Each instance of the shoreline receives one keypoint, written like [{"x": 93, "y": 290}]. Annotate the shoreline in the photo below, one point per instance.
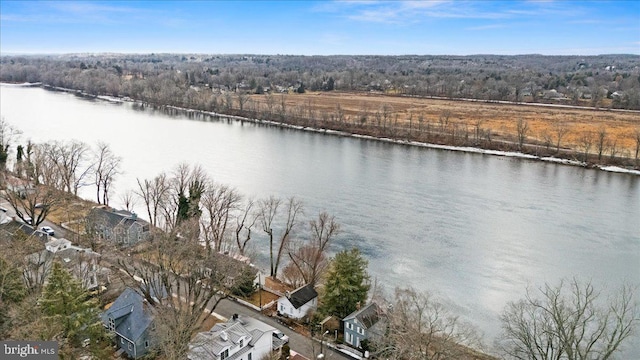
[{"x": 465, "y": 149}]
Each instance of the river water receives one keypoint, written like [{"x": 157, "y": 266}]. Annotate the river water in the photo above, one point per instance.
[{"x": 473, "y": 229}]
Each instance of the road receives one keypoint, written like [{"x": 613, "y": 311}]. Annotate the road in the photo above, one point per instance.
[
  {"x": 59, "y": 231},
  {"x": 297, "y": 342}
]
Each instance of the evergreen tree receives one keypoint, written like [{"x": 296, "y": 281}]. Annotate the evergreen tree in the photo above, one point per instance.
[
  {"x": 347, "y": 283},
  {"x": 66, "y": 302}
]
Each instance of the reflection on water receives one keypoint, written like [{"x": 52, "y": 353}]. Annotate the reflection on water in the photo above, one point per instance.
[{"x": 474, "y": 229}]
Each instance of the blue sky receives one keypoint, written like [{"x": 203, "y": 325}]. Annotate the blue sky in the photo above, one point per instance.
[{"x": 322, "y": 27}]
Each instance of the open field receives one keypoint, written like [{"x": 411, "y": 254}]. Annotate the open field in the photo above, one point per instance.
[{"x": 501, "y": 119}]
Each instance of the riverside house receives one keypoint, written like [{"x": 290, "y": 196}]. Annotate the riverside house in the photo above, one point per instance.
[{"x": 299, "y": 303}]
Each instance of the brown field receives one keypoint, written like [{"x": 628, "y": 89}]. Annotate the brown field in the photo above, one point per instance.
[{"x": 620, "y": 127}]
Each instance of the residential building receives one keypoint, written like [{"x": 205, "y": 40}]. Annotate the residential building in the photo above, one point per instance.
[
  {"x": 362, "y": 324},
  {"x": 299, "y": 303},
  {"x": 131, "y": 320},
  {"x": 82, "y": 263},
  {"x": 120, "y": 226},
  {"x": 241, "y": 338}
]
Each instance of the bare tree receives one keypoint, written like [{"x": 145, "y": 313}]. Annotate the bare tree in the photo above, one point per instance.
[
  {"x": 69, "y": 159},
  {"x": 294, "y": 208},
  {"x": 7, "y": 134},
  {"x": 245, "y": 221},
  {"x": 310, "y": 258},
  {"x": 443, "y": 119},
  {"x": 155, "y": 194},
  {"x": 585, "y": 142},
  {"x": 421, "y": 327},
  {"x": 268, "y": 209},
  {"x": 568, "y": 321},
  {"x": 106, "y": 166},
  {"x": 637, "y": 140},
  {"x": 44, "y": 170},
  {"x": 242, "y": 100},
  {"x": 32, "y": 204},
  {"x": 560, "y": 129},
  {"x": 128, "y": 199},
  {"x": 522, "y": 128},
  {"x": 218, "y": 202},
  {"x": 601, "y": 142}
]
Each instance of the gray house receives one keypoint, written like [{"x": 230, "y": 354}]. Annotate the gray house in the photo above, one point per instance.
[
  {"x": 120, "y": 226},
  {"x": 362, "y": 324},
  {"x": 131, "y": 320}
]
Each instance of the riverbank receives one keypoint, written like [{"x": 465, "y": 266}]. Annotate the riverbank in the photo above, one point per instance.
[{"x": 442, "y": 140}]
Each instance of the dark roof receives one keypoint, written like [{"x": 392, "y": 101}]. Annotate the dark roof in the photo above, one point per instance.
[
  {"x": 367, "y": 316},
  {"x": 112, "y": 218},
  {"x": 13, "y": 227},
  {"x": 135, "y": 313},
  {"x": 302, "y": 296}
]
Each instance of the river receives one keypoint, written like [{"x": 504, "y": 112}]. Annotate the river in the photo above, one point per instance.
[{"x": 473, "y": 229}]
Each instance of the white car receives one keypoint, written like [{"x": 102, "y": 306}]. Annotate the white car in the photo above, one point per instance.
[
  {"x": 279, "y": 335},
  {"x": 47, "y": 230}
]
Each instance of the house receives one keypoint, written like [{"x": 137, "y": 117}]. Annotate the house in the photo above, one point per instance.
[
  {"x": 18, "y": 186},
  {"x": 120, "y": 226},
  {"x": 82, "y": 263},
  {"x": 130, "y": 319},
  {"x": 241, "y": 338},
  {"x": 362, "y": 324},
  {"x": 17, "y": 228},
  {"x": 237, "y": 276},
  {"x": 299, "y": 303}
]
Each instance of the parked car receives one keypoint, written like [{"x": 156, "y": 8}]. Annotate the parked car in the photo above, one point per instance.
[
  {"x": 3, "y": 209},
  {"x": 47, "y": 230},
  {"x": 279, "y": 335}
]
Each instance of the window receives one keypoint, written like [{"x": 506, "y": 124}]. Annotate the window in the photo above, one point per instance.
[
  {"x": 121, "y": 340},
  {"x": 249, "y": 356},
  {"x": 146, "y": 343},
  {"x": 349, "y": 338},
  {"x": 112, "y": 324},
  {"x": 241, "y": 343},
  {"x": 350, "y": 326},
  {"x": 360, "y": 330},
  {"x": 130, "y": 347},
  {"x": 224, "y": 354}
]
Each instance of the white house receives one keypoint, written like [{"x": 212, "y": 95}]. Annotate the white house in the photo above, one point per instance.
[
  {"x": 298, "y": 303},
  {"x": 241, "y": 338}
]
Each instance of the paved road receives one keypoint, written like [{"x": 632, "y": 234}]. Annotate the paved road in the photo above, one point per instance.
[
  {"x": 297, "y": 342},
  {"x": 59, "y": 231}
]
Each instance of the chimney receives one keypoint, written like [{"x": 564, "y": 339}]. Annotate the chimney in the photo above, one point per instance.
[
  {"x": 287, "y": 294},
  {"x": 134, "y": 216},
  {"x": 224, "y": 336}
]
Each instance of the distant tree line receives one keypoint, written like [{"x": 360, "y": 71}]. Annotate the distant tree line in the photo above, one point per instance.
[{"x": 174, "y": 79}]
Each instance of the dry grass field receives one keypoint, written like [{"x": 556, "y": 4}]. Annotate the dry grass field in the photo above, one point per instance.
[{"x": 620, "y": 127}]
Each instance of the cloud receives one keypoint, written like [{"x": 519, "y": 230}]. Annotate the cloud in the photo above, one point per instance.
[
  {"x": 77, "y": 12},
  {"x": 399, "y": 12},
  {"x": 487, "y": 27}
]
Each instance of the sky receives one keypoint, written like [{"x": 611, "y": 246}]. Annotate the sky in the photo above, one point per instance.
[{"x": 331, "y": 27}]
